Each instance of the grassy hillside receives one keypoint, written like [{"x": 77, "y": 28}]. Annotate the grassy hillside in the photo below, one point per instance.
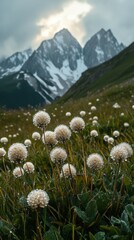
[
  {"x": 117, "y": 70},
  {"x": 93, "y": 201}
]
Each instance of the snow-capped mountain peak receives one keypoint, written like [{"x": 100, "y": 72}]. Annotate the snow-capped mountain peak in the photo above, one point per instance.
[
  {"x": 59, "y": 62},
  {"x": 14, "y": 63},
  {"x": 101, "y": 47}
]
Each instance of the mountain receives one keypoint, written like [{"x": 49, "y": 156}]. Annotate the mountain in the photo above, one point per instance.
[
  {"x": 118, "y": 70},
  {"x": 58, "y": 63},
  {"x": 14, "y": 63},
  {"x": 14, "y": 93},
  {"x": 101, "y": 47}
]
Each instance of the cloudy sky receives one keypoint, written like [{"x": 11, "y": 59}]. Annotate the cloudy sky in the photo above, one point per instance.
[{"x": 25, "y": 23}]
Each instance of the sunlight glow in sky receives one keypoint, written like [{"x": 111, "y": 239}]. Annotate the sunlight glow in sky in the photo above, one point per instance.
[{"x": 69, "y": 18}]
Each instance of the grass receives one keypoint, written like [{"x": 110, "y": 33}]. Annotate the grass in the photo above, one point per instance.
[{"x": 92, "y": 205}]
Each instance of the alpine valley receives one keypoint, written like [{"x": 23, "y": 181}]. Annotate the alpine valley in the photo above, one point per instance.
[{"x": 47, "y": 73}]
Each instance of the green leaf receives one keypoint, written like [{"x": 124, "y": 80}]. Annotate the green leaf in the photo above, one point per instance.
[
  {"x": 84, "y": 198},
  {"x": 91, "y": 211},
  {"x": 130, "y": 211},
  {"x": 103, "y": 200},
  {"x": 66, "y": 231},
  {"x": 111, "y": 229},
  {"x": 100, "y": 236},
  {"x": 132, "y": 228},
  {"x": 115, "y": 220},
  {"x": 81, "y": 214},
  {"x": 52, "y": 234},
  {"x": 124, "y": 227},
  {"x": 124, "y": 217},
  {"x": 91, "y": 236}
]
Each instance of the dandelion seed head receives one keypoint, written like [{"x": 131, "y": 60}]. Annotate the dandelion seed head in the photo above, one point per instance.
[
  {"x": 77, "y": 124},
  {"x": 41, "y": 119},
  {"x": 94, "y": 133},
  {"x": 111, "y": 140},
  {"x": 118, "y": 153},
  {"x": 58, "y": 154},
  {"x": 68, "y": 170},
  {"x": 49, "y": 138},
  {"x": 36, "y": 136},
  {"x": 116, "y": 106},
  {"x": 93, "y": 108},
  {"x": 106, "y": 137},
  {"x": 126, "y": 124},
  {"x": 27, "y": 142},
  {"x": 116, "y": 133},
  {"x": 38, "y": 198},
  {"x": 95, "y": 162},
  {"x": 68, "y": 114},
  {"x": 95, "y": 123},
  {"x": 17, "y": 152},
  {"x": 128, "y": 148},
  {"x": 4, "y": 140},
  {"x": 82, "y": 113},
  {"x": 62, "y": 133},
  {"x": 28, "y": 167},
  {"x": 18, "y": 172},
  {"x": 2, "y": 152}
]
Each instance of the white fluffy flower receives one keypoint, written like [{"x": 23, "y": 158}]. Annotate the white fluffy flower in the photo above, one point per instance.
[
  {"x": 17, "y": 152},
  {"x": 77, "y": 124},
  {"x": 95, "y": 123},
  {"x": 116, "y": 134},
  {"x": 62, "y": 132},
  {"x": 4, "y": 140},
  {"x": 18, "y": 172},
  {"x": 95, "y": 161},
  {"x": 95, "y": 118},
  {"x": 94, "y": 133},
  {"x": 36, "y": 136},
  {"x": 41, "y": 119},
  {"x": 118, "y": 153},
  {"x": 58, "y": 154},
  {"x": 49, "y": 138},
  {"x": 27, "y": 142},
  {"x": 126, "y": 124},
  {"x": 2, "y": 152},
  {"x": 93, "y": 108},
  {"x": 37, "y": 198},
  {"x": 82, "y": 113},
  {"x": 110, "y": 140},
  {"x": 122, "y": 114},
  {"x": 68, "y": 170},
  {"x": 132, "y": 106},
  {"x": 28, "y": 167},
  {"x": 128, "y": 148},
  {"x": 106, "y": 137},
  {"x": 116, "y": 106},
  {"x": 68, "y": 114}
]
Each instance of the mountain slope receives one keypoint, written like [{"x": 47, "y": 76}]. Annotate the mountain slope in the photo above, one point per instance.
[
  {"x": 117, "y": 70},
  {"x": 101, "y": 47},
  {"x": 58, "y": 61},
  {"x": 14, "y": 63},
  {"x": 57, "y": 64},
  {"x": 14, "y": 93}
]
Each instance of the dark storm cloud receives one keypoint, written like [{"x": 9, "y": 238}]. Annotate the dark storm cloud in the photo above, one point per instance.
[
  {"x": 18, "y": 20},
  {"x": 114, "y": 14}
]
